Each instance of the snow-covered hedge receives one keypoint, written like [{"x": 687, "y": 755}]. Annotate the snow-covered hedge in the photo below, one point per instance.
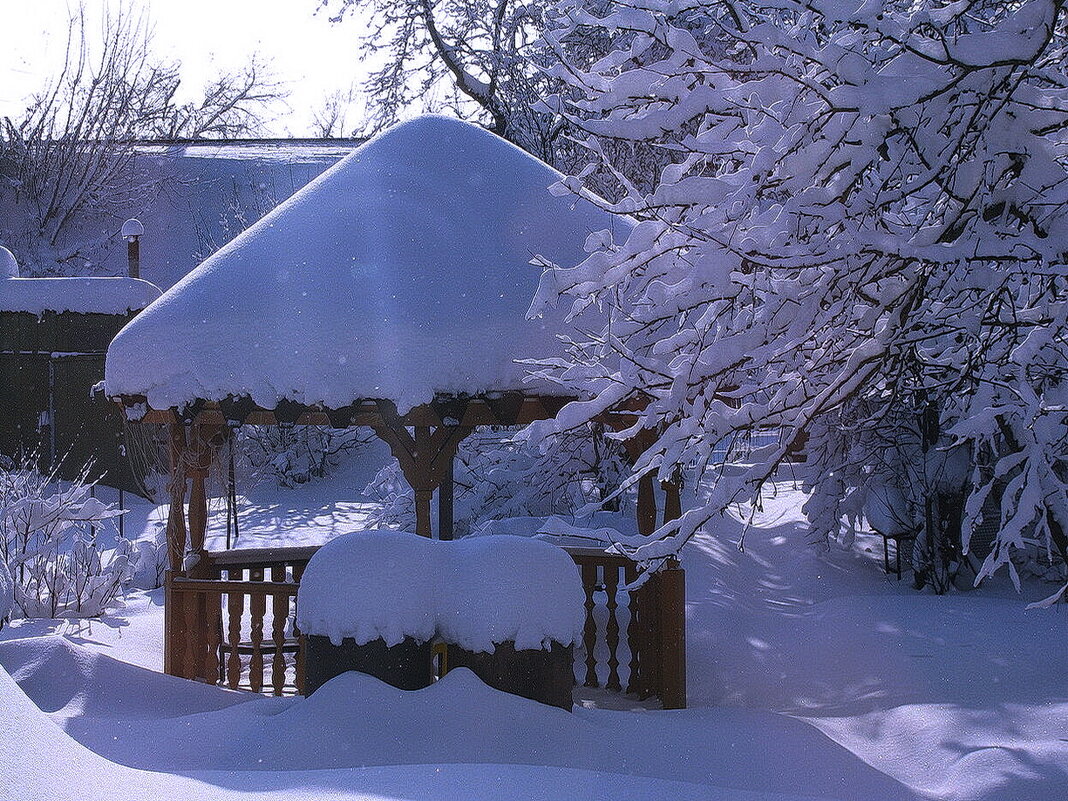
[{"x": 474, "y": 593}]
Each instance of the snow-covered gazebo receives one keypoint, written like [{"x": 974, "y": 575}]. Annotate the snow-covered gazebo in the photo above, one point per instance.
[
  {"x": 385, "y": 293},
  {"x": 392, "y": 292}
]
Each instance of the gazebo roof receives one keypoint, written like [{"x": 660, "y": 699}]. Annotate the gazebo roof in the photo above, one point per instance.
[{"x": 401, "y": 274}]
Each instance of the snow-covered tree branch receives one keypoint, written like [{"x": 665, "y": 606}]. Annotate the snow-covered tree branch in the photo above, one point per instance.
[{"x": 859, "y": 239}]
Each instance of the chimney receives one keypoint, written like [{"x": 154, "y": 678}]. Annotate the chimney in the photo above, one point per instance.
[{"x": 132, "y": 231}]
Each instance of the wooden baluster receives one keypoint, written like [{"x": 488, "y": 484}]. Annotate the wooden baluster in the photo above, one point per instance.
[
  {"x": 298, "y": 573},
  {"x": 257, "y": 608},
  {"x": 213, "y": 636},
  {"x": 611, "y": 583},
  {"x": 589, "y": 629},
  {"x": 235, "y": 603},
  {"x": 279, "y": 613},
  {"x": 634, "y": 628},
  {"x": 192, "y": 662},
  {"x": 651, "y": 637}
]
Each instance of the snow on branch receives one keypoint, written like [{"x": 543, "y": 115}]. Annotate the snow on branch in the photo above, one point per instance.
[{"x": 857, "y": 239}]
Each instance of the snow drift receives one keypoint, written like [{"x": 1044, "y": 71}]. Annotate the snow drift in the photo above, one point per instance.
[{"x": 401, "y": 272}]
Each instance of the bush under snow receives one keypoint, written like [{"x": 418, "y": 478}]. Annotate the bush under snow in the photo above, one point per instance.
[{"x": 48, "y": 543}]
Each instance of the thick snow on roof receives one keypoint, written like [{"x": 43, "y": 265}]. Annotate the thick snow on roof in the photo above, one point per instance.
[
  {"x": 401, "y": 272},
  {"x": 87, "y": 295},
  {"x": 473, "y": 592}
]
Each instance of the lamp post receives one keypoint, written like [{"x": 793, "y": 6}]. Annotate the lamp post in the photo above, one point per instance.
[{"x": 132, "y": 230}]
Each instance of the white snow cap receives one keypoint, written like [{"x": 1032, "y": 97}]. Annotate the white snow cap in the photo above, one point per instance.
[
  {"x": 9, "y": 266},
  {"x": 85, "y": 295},
  {"x": 402, "y": 272},
  {"x": 472, "y": 592},
  {"x": 131, "y": 228}
]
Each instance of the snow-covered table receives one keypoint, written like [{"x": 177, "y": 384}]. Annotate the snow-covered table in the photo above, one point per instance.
[{"x": 509, "y": 608}]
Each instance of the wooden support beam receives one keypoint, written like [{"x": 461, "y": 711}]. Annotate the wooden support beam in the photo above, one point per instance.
[
  {"x": 198, "y": 463},
  {"x": 173, "y": 628},
  {"x": 423, "y": 526},
  {"x": 672, "y": 612},
  {"x": 425, "y": 458},
  {"x": 446, "y": 519},
  {"x": 176, "y": 534},
  {"x": 646, "y": 510}
]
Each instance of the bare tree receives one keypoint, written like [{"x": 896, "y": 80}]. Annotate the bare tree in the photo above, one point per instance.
[
  {"x": 329, "y": 121},
  {"x": 72, "y": 151},
  {"x": 477, "y": 59}
]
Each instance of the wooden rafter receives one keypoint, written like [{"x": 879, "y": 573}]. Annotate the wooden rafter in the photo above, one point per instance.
[{"x": 425, "y": 456}]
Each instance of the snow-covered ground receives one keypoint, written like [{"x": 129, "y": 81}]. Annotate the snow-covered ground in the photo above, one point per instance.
[{"x": 811, "y": 676}]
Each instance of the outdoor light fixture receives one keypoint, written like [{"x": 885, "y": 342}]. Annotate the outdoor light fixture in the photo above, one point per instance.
[{"x": 132, "y": 231}]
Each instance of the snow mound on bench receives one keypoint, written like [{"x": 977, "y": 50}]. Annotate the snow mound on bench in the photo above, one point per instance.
[
  {"x": 402, "y": 272},
  {"x": 472, "y": 592}
]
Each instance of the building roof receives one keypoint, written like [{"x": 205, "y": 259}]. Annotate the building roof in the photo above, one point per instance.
[{"x": 83, "y": 295}]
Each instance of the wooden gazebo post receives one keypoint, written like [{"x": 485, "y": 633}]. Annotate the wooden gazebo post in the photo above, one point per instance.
[
  {"x": 668, "y": 585},
  {"x": 173, "y": 616},
  {"x": 176, "y": 537},
  {"x": 426, "y": 459},
  {"x": 191, "y": 454}
]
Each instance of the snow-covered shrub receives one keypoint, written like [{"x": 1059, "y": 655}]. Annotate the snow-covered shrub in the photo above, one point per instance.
[
  {"x": 902, "y": 475},
  {"x": 150, "y": 562},
  {"x": 500, "y": 475},
  {"x": 294, "y": 455},
  {"x": 49, "y": 542}
]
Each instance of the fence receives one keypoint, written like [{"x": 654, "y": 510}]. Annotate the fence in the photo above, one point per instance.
[
  {"x": 48, "y": 366},
  {"x": 234, "y": 625}
]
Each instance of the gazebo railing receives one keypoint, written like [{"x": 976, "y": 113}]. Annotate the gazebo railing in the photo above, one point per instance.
[{"x": 233, "y": 625}]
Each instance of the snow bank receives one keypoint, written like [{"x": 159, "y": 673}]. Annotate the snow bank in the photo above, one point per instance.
[
  {"x": 401, "y": 272},
  {"x": 474, "y": 593},
  {"x": 85, "y": 295},
  {"x": 357, "y": 737}
]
